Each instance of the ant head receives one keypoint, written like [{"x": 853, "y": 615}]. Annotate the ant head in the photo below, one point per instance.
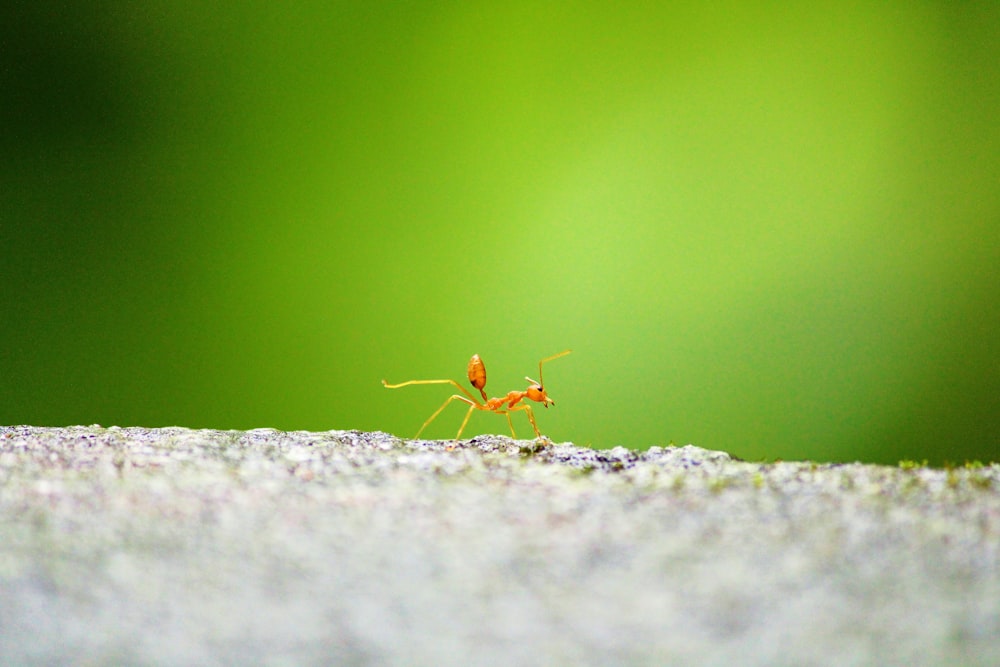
[{"x": 536, "y": 393}]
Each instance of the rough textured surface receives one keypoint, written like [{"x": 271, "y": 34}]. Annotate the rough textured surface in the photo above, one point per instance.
[{"x": 175, "y": 547}]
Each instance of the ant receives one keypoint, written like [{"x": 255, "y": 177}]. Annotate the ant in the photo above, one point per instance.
[{"x": 503, "y": 405}]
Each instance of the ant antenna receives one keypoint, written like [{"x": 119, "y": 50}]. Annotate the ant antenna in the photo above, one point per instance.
[{"x": 554, "y": 356}]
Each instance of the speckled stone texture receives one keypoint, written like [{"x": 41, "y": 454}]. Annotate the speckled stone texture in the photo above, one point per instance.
[{"x": 179, "y": 547}]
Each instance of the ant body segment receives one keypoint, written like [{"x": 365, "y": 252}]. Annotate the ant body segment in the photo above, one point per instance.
[{"x": 502, "y": 405}]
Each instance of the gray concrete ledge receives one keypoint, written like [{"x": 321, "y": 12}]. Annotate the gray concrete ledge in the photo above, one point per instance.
[{"x": 179, "y": 547}]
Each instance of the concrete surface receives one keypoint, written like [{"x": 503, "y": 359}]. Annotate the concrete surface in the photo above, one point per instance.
[{"x": 198, "y": 547}]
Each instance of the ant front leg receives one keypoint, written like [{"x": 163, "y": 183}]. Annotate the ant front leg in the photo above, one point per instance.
[{"x": 531, "y": 418}]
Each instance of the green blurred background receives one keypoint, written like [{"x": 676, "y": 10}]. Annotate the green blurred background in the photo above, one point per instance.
[{"x": 770, "y": 230}]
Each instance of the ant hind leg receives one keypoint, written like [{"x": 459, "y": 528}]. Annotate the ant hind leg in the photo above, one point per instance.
[{"x": 441, "y": 409}]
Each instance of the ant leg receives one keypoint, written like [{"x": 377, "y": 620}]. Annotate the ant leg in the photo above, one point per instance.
[
  {"x": 443, "y": 406},
  {"x": 409, "y": 382},
  {"x": 471, "y": 400},
  {"x": 531, "y": 418},
  {"x": 511, "y": 424},
  {"x": 465, "y": 421}
]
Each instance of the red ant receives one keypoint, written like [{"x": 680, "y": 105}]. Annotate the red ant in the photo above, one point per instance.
[{"x": 503, "y": 405}]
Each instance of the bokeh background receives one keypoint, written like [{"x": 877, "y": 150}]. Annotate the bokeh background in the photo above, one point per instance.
[{"x": 770, "y": 229}]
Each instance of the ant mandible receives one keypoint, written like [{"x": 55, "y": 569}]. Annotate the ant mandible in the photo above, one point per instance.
[{"x": 503, "y": 405}]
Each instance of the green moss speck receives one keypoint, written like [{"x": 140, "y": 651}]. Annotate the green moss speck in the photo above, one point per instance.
[
  {"x": 846, "y": 482},
  {"x": 981, "y": 481},
  {"x": 719, "y": 484}
]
